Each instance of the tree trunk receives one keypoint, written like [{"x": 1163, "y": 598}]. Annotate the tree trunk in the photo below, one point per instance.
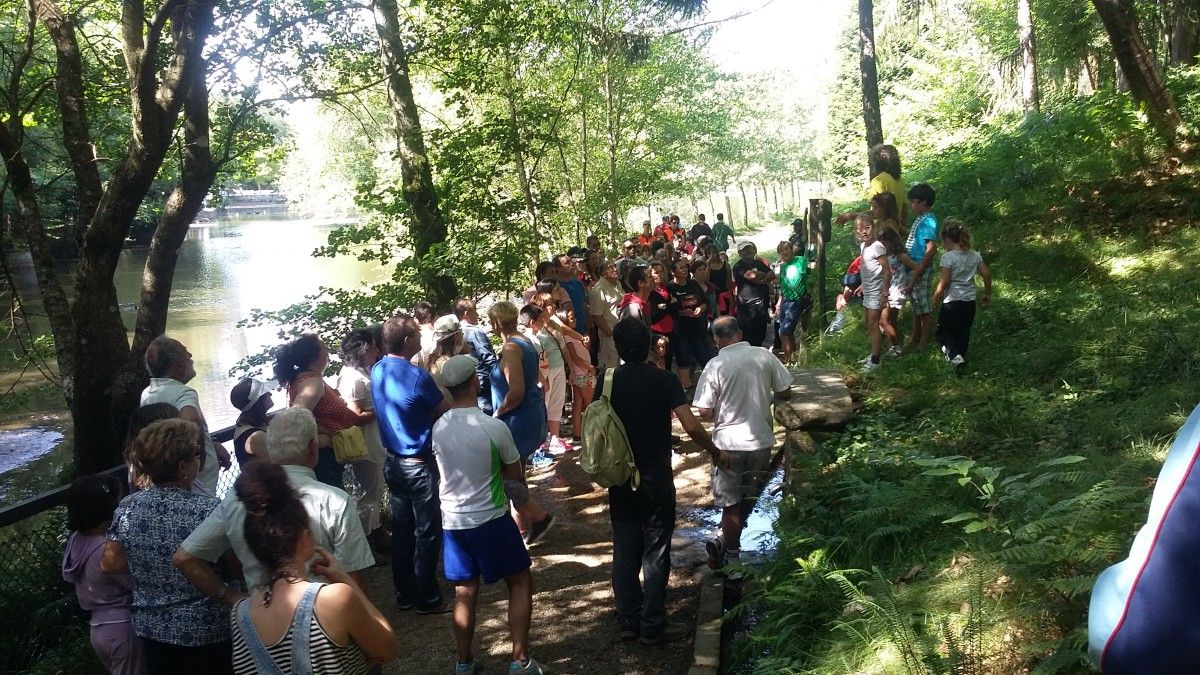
[
  {"x": 1029, "y": 83},
  {"x": 611, "y": 128},
  {"x": 183, "y": 204},
  {"x": 102, "y": 348},
  {"x": 745, "y": 205},
  {"x": 870, "y": 76},
  {"x": 728, "y": 206},
  {"x": 428, "y": 228},
  {"x": 775, "y": 195},
  {"x": 54, "y": 297},
  {"x": 1184, "y": 32},
  {"x": 1138, "y": 67},
  {"x": 68, "y": 83}
]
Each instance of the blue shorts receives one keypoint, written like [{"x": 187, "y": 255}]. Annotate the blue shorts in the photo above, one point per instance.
[
  {"x": 790, "y": 312},
  {"x": 493, "y": 550}
]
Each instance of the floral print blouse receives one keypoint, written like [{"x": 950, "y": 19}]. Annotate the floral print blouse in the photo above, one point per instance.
[{"x": 149, "y": 525}]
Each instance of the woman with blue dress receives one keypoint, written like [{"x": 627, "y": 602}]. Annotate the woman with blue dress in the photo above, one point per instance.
[{"x": 519, "y": 403}]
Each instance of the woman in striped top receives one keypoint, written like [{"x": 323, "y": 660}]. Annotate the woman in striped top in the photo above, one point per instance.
[{"x": 293, "y": 626}]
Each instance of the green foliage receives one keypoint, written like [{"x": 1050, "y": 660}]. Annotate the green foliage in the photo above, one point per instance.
[{"x": 985, "y": 506}]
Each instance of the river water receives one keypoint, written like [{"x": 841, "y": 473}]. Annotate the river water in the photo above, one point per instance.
[{"x": 225, "y": 270}]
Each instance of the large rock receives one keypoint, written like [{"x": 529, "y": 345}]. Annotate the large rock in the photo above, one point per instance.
[{"x": 820, "y": 399}]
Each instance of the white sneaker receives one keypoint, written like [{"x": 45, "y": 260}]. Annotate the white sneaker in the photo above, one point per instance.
[
  {"x": 895, "y": 350},
  {"x": 870, "y": 367},
  {"x": 958, "y": 360}
]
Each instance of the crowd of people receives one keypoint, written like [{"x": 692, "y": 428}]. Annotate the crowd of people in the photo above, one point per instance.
[{"x": 443, "y": 417}]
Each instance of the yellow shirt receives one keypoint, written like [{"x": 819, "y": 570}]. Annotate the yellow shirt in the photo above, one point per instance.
[{"x": 884, "y": 182}]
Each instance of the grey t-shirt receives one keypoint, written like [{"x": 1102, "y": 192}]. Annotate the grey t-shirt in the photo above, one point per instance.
[{"x": 962, "y": 265}]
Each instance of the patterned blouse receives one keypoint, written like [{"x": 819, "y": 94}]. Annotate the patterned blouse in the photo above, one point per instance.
[{"x": 150, "y": 525}]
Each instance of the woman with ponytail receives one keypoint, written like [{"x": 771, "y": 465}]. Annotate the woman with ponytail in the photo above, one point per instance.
[
  {"x": 292, "y": 625},
  {"x": 298, "y": 368}
]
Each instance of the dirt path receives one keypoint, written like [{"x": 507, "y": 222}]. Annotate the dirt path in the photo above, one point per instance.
[{"x": 574, "y": 628}]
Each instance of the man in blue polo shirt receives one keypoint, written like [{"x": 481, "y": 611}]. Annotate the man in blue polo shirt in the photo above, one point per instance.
[{"x": 407, "y": 403}]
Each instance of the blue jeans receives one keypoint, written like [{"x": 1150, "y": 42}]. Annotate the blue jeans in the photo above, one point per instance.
[
  {"x": 416, "y": 530},
  {"x": 328, "y": 470}
]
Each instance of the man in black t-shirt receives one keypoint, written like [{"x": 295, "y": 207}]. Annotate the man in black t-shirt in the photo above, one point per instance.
[
  {"x": 700, "y": 229},
  {"x": 643, "y": 520},
  {"x": 753, "y": 279}
]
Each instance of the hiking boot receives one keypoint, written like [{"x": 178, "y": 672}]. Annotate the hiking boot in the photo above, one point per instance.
[
  {"x": 531, "y": 667},
  {"x": 538, "y": 529},
  {"x": 629, "y": 632},
  {"x": 672, "y": 631}
]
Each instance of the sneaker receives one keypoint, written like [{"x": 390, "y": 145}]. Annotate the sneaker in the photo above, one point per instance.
[
  {"x": 559, "y": 446},
  {"x": 442, "y": 607},
  {"x": 895, "y": 350},
  {"x": 470, "y": 668},
  {"x": 530, "y": 666},
  {"x": 716, "y": 553},
  {"x": 540, "y": 459},
  {"x": 404, "y": 606},
  {"x": 869, "y": 367},
  {"x": 629, "y": 633},
  {"x": 958, "y": 360},
  {"x": 672, "y": 631},
  {"x": 538, "y": 530}
]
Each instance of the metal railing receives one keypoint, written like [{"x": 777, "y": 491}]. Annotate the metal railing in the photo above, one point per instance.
[{"x": 40, "y": 623}]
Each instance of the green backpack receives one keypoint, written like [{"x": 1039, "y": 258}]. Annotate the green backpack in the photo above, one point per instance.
[{"x": 606, "y": 455}]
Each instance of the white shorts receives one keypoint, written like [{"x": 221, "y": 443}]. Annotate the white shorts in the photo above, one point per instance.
[
  {"x": 873, "y": 300},
  {"x": 556, "y": 393}
]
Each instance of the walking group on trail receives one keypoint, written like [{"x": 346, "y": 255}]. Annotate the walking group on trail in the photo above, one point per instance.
[{"x": 444, "y": 417}]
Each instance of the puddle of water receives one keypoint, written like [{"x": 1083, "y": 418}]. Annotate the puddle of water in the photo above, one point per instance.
[
  {"x": 758, "y": 536},
  {"x": 28, "y": 462}
]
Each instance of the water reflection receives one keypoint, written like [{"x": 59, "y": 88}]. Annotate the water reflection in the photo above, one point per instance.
[{"x": 225, "y": 270}]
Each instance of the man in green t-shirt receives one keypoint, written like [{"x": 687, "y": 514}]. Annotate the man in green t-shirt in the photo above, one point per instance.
[
  {"x": 794, "y": 300},
  {"x": 722, "y": 234}
]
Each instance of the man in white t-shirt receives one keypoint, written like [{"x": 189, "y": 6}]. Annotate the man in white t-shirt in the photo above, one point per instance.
[
  {"x": 736, "y": 389},
  {"x": 481, "y": 472},
  {"x": 171, "y": 368}
]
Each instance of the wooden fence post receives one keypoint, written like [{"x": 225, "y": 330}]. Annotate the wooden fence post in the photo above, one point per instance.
[{"x": 820, "y": 222}]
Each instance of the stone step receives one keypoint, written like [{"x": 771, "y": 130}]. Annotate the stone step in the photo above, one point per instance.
[{"x": 820, "y": 400}]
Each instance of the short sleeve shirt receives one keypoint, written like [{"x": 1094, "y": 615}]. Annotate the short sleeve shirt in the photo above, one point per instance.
[
  {"x": 750, "y": 291},
  {"x": 871, "y": 269},
  {"x": 739, "y": 385},
  {"x": 791, "y": 278},
  {"x": 924, "y": 229},
  {"x": 355, "y": 387},
  {"x": 884, "y": 182},
  {"x": 962, "y": 265},
  {"x": 150, "y": 525},
  {"x": 471, "y": 450},
  {"x": 689, "y": 295},
  {"x": 332, "y": 519},
  {"x": 405, "y": 399},
  {"x": 578, "y": 295},
  {"x": 178, "y": 394},
  {"x": 721, "y": 234},
  {"x": 643, "y": 397}
]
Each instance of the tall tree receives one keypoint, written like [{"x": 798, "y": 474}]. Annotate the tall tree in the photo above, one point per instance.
[
  {"x": 1029, "y": 76},
  {"x": 1184, "y": 32},
  {"x": 1139, "y": 67},
  {"x": 872, "y": 119},
  {"x": 427, "y": 226}
]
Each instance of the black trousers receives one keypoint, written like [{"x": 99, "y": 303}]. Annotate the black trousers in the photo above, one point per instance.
[
  {"x": 752, "y": 321},
  {"x": 643, "y": 547},
  {"x": 168, "y": 659},
  {"x": 954, "y": 327}
]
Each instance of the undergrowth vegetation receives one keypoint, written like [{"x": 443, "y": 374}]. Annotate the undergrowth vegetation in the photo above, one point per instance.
[{"x": 958, "y": 524}]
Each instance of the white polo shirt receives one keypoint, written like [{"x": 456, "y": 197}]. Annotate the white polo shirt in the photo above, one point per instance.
[
  {"x": 739, "y": 384},
  {"x": 178, "y": 394},
  {"x": 332, "y": 517}
]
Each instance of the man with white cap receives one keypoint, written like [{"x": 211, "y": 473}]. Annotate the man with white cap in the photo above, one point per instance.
[
  {"x": 753, "y": 279},
  {"x": 481, "y": 472}
]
